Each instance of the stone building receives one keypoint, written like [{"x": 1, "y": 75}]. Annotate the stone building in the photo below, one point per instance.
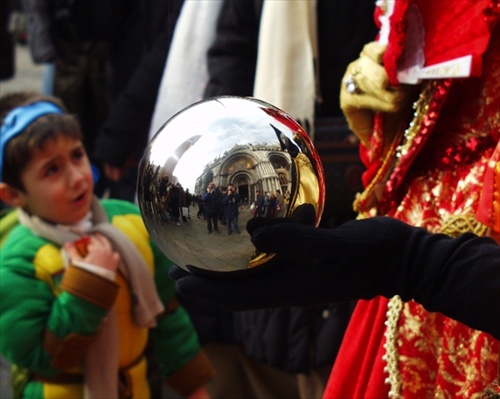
[{"x": 250, "y": 168}]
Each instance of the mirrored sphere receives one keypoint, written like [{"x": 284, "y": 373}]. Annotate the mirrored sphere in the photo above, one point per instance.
[{"x": 190, "y": 167}]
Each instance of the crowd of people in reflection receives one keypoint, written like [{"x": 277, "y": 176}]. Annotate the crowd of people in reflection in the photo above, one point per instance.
[
  {"x": 217, "y": 206},
  {"x": 271, "y": 204},
  {"x": 169, "y": 202}
]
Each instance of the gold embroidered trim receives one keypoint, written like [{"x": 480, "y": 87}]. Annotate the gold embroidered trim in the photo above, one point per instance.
[
  {"x": 452, "y": 226},
  {"x": 421, "y": 107},
  {"x": 492, "y": 391},
  {"x": 395, "y": 305},
  {"x": 456, "y": 225},
  {"x": 399, "y": 146},
  {"x": 391, "y": 356}
]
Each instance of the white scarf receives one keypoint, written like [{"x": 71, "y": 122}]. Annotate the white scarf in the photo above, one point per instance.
[
  {"x": 286, "y": 72},
  {"x": 185, "y": 75},
  {"x": 101, "y": 373}
]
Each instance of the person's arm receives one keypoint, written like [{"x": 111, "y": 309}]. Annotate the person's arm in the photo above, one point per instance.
[{"x": 459, "y": 277}]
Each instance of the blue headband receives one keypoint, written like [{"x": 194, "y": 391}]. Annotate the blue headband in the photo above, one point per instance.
[{"x": 19, "y": 119}]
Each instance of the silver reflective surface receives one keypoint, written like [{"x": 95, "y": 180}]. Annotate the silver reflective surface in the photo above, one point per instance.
[{"x": 236, "y": 141}]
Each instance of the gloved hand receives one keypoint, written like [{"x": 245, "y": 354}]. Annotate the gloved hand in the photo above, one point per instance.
[
  {"x": 360, "y": 260},
  {"x": 373, "y": 93}
]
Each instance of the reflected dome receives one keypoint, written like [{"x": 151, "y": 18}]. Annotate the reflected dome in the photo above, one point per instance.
[{"x": 250, "y": 146}]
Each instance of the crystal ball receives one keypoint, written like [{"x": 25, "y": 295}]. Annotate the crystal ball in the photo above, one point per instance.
[{"x": 214, "y": 166}]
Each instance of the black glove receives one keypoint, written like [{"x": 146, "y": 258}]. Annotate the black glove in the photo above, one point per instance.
[{"x": 360, "y": 260}]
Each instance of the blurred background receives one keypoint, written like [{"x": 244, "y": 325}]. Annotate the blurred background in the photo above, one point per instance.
[{"x": 26, "y": 76}]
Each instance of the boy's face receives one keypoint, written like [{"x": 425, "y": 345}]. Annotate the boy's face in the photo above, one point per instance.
[{"x": 58, "y": 182}]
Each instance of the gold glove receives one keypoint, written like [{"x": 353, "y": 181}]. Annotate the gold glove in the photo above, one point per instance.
[{"x": 365, "y": 90}]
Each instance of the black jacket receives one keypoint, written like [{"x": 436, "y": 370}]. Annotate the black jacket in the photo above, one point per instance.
[
  {"x": 293, "y": 339},
  {"x": 211, "y": 201},
  {"x": 138, "y": 61}
]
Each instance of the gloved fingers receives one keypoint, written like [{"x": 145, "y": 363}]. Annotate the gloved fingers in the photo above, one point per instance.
[
  {"x": 224, "y": 293},
  {"x": 257, "y": 223},
  {"x": 372, "y": 87},
  {"x": 359, "y": 106},
  {"x": 242, "y": 274},
  {"x": 371, "y": 81},
  {"x": 361, "y": 123},
  {"x": 297, "y": 242},
  {"x": 303, "y": 214},
  {"x": 177, "y": 272},
  {"x": 374, "y": 51},
  {"x": 365, "y": 90},
  {"x": 294, "y": 242},
  {"x": 218, "y": 275},
  {"x": 276, "y": 283},
  {"x": 221, "y": 287},
  {"x": 375, "y": 97},
  {"x": 370, "y": 76},
  {"x": 212, "y": 290}
]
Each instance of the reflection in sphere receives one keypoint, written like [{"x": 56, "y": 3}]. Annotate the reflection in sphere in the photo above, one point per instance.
[{"x": 236, "y": 141}]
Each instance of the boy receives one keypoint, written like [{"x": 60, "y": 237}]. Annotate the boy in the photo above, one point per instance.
[{"x": 82, "y": 287}]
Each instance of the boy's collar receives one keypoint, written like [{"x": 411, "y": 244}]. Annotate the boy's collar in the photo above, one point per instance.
[
  {"x": 19, "y": 119},
  {"x": 83, "y": 226}
]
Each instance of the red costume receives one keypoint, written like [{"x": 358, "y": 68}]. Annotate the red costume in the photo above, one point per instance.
[{"x": 441, "y": 172}]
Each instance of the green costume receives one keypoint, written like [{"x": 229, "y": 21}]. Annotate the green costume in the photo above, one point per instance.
[{"x": 51, "y": 313}]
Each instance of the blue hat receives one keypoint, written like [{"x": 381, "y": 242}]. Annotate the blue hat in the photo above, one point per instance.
[{"x": 19, "y": 119}]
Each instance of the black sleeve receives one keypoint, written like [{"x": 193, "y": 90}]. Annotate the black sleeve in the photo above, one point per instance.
[
  {"x": 232, "y": 58},
  {"x": 458, "y": 277}
]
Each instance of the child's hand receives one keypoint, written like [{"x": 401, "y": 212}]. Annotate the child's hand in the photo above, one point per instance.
[{"x": 98, "y": 252}]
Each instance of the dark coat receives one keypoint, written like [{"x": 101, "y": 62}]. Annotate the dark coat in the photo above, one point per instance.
[
  {"x": 211, "y": 201},
  {"x": 231, "y": 203},
  {"x": 138, "y": 65},
  {"x": 296, "y": 340}
]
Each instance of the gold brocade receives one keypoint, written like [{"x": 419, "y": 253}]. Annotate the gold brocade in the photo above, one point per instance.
[
  {"x": 394, "y": 307},
  {"x": 429, "y": 355},
  {"x": 432, "y": 349},
  {"x": 436, "y": 356},
  {"x": 456, "y": 225}
]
